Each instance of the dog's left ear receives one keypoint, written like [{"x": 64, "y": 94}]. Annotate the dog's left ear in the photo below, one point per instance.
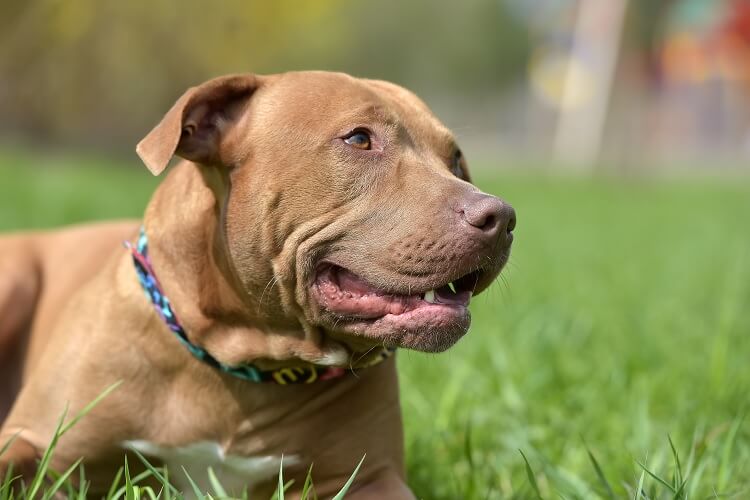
[{"x": 193, "y": 128}]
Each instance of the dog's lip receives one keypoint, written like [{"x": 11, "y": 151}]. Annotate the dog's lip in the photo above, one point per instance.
[{"x": 349, "y": 296}]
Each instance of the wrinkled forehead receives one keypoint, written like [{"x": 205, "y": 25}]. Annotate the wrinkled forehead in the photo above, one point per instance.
[{"x": 337, "y": 102}]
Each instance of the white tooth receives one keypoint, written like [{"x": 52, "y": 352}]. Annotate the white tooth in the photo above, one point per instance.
[
  {"x": 452, "y": 287},
  {"x": 430, "y": 296}
]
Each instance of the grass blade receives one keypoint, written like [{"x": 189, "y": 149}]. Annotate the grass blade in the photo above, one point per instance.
[
  {"x": 726, "y": 455},
  {"x": 531, "y": 476},
  {"x": 50, "y": 492},
  {"x": 639, "y": 492},
  {"x": 83, "y": 485},
  {"x": 196, "y": 490},
  {"x": 150, "y": 492},
  {"x": 129, "y": 493},
  {"x": 6, "y": 446},
  {"x": 342, "y": 493},
  {"x": 61, "y": 429},
  {"x": 86, "y": 409},
  {"x": 122, "y": 491},
  {"x": 154, "y": 471},
  {"x": 678, "y": 466},
  {"x": 600, "y": 474},
  {"x": 280, "y": 487},
  {"x": 115, "y": 484},
  {"x": 680, "y": 491},
  {"x": 168, "y": 489},
  {"x": 216, "y": 485},
  {"x": 471, "y": 487},
  {"x": 41, "y": 472},
  {"x": 308, "y": 485},
  {"x": 7, "y": 481},
  {"x": 660, "y": 480}
]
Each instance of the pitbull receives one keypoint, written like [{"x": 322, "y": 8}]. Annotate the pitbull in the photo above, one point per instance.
[{"x": 316, "y": 223}]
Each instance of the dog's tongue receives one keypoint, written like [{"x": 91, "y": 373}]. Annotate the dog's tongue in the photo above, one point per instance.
[{"x": 347, "y": 294}]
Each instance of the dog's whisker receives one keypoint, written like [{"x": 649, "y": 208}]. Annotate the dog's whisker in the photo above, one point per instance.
[
  {"x": 368, "y": 351},
  {"x": 269, "y": 286}
]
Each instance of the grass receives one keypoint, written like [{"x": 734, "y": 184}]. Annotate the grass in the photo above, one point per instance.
[
  {"x": 611, "y": 361},
  {"x": 48, "y": 484}
]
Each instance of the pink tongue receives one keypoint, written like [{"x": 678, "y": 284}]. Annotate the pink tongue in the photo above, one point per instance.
[
  {"x": 347, "y": 294},
  {"x": 445, "y": 295}
]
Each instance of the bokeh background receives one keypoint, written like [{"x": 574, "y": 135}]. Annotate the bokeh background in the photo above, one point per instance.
[
  {"x": 564, "y": 79},
  {"x": 614, "y": 350}
]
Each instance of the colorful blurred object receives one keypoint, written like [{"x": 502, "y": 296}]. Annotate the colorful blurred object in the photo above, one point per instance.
[
  {"x": 708, "y": 40},
  {"x": 575, "y": 80}
]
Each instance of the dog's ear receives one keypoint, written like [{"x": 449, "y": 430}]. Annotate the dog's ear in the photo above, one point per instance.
[{"x": 193, "y": 128}]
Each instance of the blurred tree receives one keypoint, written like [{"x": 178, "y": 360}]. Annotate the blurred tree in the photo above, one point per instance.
[
  {"x": 470, "y": 45},
  {"x": 101, "y": 71},
  {"x": 70, "y": 70}
]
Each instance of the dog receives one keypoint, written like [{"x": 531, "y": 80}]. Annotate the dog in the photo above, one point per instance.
[{"x": 316, "y": 223}]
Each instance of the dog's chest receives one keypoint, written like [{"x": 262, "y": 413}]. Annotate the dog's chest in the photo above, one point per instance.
[{"x": 235, "y": 473}]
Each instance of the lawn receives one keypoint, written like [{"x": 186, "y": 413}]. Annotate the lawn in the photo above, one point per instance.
[{"x": 622, "y": 322}]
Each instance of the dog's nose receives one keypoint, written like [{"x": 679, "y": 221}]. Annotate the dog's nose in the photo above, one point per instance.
[{"x": 490, "y": 215}]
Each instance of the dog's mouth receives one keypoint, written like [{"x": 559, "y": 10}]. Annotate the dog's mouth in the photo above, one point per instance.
[
  {"x": 348, "y": 295},
  {"x": 427, "y": 320}
]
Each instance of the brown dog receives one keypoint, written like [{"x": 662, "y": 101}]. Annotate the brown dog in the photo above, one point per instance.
[{"x": 318, "y": 222}]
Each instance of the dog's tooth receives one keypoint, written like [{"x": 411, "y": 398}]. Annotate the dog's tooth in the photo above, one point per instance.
[
  {"x": 430, "y": 296},
  {"x": 452, "y": 287}
]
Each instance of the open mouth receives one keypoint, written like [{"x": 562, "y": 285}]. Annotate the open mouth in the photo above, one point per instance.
[
  {"x": 426, "y": 320},
  {"x": 347, "y": 295}
]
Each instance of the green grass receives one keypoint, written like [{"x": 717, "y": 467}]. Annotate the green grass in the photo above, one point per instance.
[
  {"x": 614, "y": 353},
  {"x": 49, "y": 484}
]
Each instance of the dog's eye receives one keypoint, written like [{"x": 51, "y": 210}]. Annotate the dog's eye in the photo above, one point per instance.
[
  {"x": 457, "y": 168},
  {"x": 359, "y": 139}
]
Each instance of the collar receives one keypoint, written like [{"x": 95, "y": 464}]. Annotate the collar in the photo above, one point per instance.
[{"x": 296, "y": 375}]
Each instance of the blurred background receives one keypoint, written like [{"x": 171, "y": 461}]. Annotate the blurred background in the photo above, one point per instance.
[{"x": 638, "y": 83}]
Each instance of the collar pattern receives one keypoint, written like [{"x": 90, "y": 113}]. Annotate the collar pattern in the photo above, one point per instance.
[{"x": 295, "y": 375}]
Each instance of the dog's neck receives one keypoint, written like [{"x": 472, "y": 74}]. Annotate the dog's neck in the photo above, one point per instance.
[{"x": 190, "y": 255}]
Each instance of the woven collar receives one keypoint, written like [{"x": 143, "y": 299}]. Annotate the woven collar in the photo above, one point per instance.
[{"x": 296, "y": 375}]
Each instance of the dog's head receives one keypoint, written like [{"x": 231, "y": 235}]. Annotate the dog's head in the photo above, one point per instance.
[{"x": 345, "y": 204}]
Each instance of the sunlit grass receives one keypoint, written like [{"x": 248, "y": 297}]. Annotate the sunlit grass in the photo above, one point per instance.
[
  {"x": 47, "y": 483},
  {"x": 622, "y": 320},
  {"x": 613, "y": 353}
]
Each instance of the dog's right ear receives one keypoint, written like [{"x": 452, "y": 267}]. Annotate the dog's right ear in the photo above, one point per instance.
[{"x": 195, "y": 125}]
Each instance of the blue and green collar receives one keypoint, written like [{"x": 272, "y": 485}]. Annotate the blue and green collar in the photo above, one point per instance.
[{"x": 296, "y": 375}]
